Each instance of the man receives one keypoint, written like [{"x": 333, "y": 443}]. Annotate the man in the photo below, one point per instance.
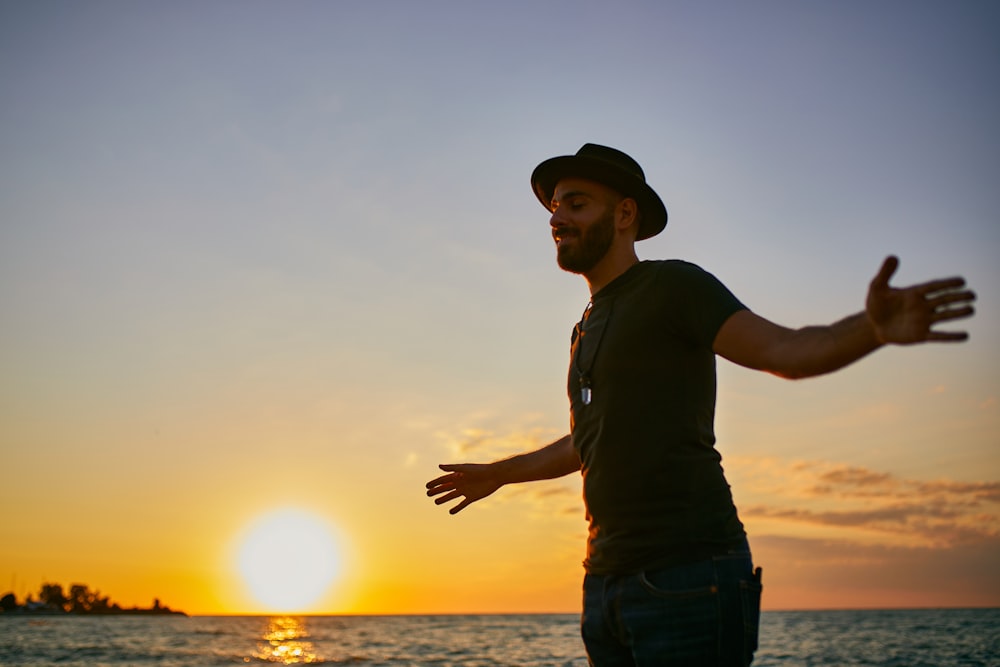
[{"x": 669, "y": 578}]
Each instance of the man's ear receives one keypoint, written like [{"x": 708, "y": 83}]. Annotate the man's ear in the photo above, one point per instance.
[{"x": 628, "y": 213}]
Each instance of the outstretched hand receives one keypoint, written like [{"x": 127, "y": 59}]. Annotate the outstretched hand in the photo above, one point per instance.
[
  {"x": 906, "y": 315},
  {"x": 469, "y": 481}
]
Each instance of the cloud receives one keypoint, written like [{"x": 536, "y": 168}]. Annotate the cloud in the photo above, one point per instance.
[
  {"x": 835, "y": 535},
  {"x": 978, "y": 492},
  {"x": 803, "y": 573},
  {"x": 855, "y": 477},
  {"x": 484, "y": 445},
  {"x": 554, "y": 498},
  {"x": 936, "y": 527},
  {"x": 864, "y": 504},
  {"x": 546, "y": 499}
]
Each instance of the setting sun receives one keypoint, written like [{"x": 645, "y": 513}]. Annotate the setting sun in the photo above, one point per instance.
[{"x": 288, "y": 559}]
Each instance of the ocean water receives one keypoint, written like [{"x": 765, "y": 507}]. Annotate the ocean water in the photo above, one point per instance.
[{"x": 913, "y": 638}]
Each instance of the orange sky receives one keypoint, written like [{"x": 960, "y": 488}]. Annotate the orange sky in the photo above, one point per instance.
[{"x": 292, "y": 260}]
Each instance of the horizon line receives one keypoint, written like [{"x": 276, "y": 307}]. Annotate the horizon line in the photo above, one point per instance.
[{"x": 565, "y": 613}]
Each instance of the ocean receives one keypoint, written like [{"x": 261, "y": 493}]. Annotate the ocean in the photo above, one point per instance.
[{"x": 910, "y": 638}]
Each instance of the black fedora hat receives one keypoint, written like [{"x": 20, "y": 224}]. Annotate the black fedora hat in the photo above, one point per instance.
[{"x": 609, "y": 167}]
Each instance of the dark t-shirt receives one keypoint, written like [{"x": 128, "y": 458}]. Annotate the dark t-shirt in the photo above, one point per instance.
[{"x": 652, "y": 479}]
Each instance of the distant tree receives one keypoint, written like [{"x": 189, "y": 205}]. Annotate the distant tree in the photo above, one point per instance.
[
  {"x": 8, "y": 602},
  {"x": 81, "y": 599},
  {"x": 101, "y": 605},
  {"x": 53, "y": 596}
]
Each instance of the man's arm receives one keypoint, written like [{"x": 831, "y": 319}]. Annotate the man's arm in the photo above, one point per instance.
[
  {"x": 901, "y": 316},
  {"x": 475, "y": 481}
]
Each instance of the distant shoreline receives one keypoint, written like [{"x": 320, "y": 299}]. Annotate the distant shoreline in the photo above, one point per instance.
[
  {"x": 501, "y": 614},
  {"x": 80, "y": 601},
  {"x": 165, "y": 611},
  {"x": 135, "y": 611}
]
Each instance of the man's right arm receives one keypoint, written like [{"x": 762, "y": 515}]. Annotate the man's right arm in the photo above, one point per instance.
[{"x": 475, "y": 481}]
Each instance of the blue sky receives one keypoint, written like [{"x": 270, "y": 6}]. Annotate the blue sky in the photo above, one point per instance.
[{"x": 240, "y": 232}]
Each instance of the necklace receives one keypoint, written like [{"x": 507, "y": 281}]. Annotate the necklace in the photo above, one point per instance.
[{"x": 584, "y": 356}]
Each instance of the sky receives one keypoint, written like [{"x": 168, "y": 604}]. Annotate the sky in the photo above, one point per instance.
[{"x": 262, "y": 257}]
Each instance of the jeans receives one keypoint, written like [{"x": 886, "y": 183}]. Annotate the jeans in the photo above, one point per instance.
[{"x": 698, "y": 615}]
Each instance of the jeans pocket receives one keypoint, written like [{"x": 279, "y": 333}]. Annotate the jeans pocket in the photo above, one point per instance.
[
  {"x": 750, "y": 592},
  {"x": 676, "y": 613},
  {"x": 681, "y": 583}
]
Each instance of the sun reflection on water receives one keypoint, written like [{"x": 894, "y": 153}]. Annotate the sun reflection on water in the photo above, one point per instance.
[{"x": 286, "y": 642}]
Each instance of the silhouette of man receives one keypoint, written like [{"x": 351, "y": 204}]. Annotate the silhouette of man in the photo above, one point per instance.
[{"x": 669, "y": 578}]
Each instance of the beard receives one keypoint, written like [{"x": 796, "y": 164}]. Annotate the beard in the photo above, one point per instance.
[{"x": 592, "y": 244}]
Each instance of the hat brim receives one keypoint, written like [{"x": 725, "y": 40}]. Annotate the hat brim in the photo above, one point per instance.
[{"x": 547, "y": 175}]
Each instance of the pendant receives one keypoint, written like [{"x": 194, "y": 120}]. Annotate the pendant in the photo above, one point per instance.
[{"x": 585, "y": 395}]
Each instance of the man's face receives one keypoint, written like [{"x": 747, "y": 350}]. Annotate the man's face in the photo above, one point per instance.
[{"x": 583, "y": 223}]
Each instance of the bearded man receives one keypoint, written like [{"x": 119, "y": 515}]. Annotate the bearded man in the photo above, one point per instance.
[{"x": 669, "y": 578}]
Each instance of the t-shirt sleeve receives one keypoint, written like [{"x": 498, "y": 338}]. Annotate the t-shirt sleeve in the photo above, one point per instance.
[{"x": 698, "y": 302}]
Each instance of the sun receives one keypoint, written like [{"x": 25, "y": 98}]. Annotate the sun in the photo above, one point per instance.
[{"x": 288, "y": 559}]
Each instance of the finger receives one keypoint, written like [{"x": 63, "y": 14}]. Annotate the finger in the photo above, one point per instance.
[
  {"x": 456, "y": 467},
  {"x": 947, "y": 336},
  {"x": 443, "y": 479},
  {"x": 444, "y": 499},
  {"x": 459, "y": 507},
  {"x": 952, "y": 314},
  {"x": 940, "y": 285},
  {"x": 889, "y": 266},
  {"x": 951, "y": 297},
  {"x": 438, "y": 490}
]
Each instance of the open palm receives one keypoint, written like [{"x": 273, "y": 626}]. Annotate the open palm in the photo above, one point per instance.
[
  {"x": 469, "y": 481},
  {"x": 906, "y": 315}
]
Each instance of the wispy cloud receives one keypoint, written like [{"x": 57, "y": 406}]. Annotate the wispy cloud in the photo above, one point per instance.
[
  {"x": 483, "y": 445},
  {"x": 802, "y": 573},
  {"x": 882, "y": 506},
  {"x": 547, "y": 499},
  {"x": 552, "y": 499},
  {"x": 830, "y": 534}
]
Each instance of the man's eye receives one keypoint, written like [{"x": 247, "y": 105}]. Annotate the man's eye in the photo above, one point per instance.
[{"x": 571, "y": 204}]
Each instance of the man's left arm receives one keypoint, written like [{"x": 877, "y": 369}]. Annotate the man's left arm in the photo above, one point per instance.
[{"x": 901, "y": 316}]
